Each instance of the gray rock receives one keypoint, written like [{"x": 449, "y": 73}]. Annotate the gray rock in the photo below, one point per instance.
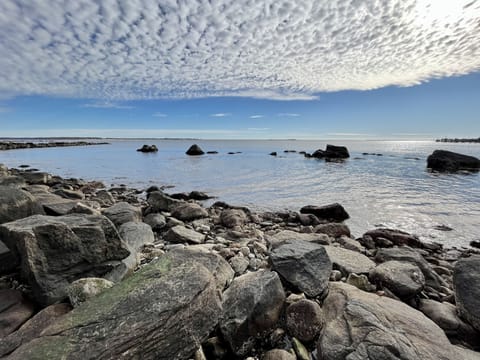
[
  {"x": 81, "y": 290},
  {"x": 361, "y": 282},
  {"x": 16, "y": 204},
  {"x": 16, "y": 181},
  {"x": 14, "y": 311},
  {"x": 104, "y": 197},
  {"x": 136, "y": 235},
  {"x": 278, "y": 354},
  {"x": 448, "y": 161},
  {"x": 80, "y": 208},
  {"x": 55, "y": 251},
  {"x": 350, "y": 244},
  {"x": 404, "y": 279},
  {"x": 364, "y": 326},
  {"x": 8, "y": 262},
  {"x": 36, "y": 177},
  {"x": 348, "y": 261},
  {"x": 252, "y": 306},
  {"x": 181, "y": 234},
  {"x": 123, "y": 212},
  {"x": 285, "y": 235},
  {"x": 233, "y": 217},
  {"x": 333, "y": 229},
  {"x": 70, "y": 194},
  {"x": 160, "y": 201},
  {"x": 332, "y": 212},
  {"x": 189, "y": 212},
  {"x": 304, "y": 320},
  {"x": 395, "y": 237},
  {"x": 304, "y": 265},
  {"x": 466, "y": 281},
  {"x": 161, "y": 312},
  {"x": 239, "y": 264},
  {"x": 156, "y": 221}
]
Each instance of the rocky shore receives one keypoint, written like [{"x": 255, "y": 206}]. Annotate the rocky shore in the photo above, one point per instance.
[
  {"x": 9, "y": 145},
  {"x": 90, "y": 272}
]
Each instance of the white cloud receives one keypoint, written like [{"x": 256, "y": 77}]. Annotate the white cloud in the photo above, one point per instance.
[
  {"x": 157, "y": 114},
  {"x": 288, "y": 115},
  {"x": 107, "y": 105},
  {"x": 258, "y": 129},
  {"x": 220, "y": 114},
  {"x": 256, "y": 116},
  {"x": 270, "y": 49}
]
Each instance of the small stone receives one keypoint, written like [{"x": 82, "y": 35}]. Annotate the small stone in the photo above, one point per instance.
[
  {"x": 81, "y": 290},
  {"x": 189, "y": 212},
  {"x": 239, "y": 264},
  {"x": 335, "y": 275},
  {"x": 300, "y": 350},
  {"x": 361, "y": 282}
]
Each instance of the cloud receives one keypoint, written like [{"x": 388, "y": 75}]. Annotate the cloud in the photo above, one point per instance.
[
  {"x": 157, "y": 114},
  {"x": 288, "y": 115},
  {"x": 220, "y": 115},
  {"x": 280, "y": 50},
  {"x": 107, "y": 105},
  {"x": 258, "y": 129},
  {"x": 256, "y": 116}
]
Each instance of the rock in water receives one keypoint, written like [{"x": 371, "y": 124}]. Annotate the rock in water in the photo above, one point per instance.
[
  {"x": 304, "y": 265},
  {"x": 148, "y": 148},
  {"x": 55, "y": 251},
  {"x": 365, "y": 326},
  {"x": 336, "y": 152},
  {"x": 333, "y": 212},
  {"x": 194, "y": 150},
  {"x": 466, "y": 282},
  {"x": 252, "y": 306},
  {"x": 162, "y": 312},
  {"x": 16, "y": 204},
  {"x": 448, "y": 161}
]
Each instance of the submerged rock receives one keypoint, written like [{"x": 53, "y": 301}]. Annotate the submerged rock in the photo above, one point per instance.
[
  {"x": 148, "y": 148},
  {"x": 333, "y": 212},
  {"x": 448, "y": 161},
  {"x": 195, "y": 150}
]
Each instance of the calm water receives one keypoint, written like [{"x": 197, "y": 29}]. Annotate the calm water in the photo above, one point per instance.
[{"x": 393, "y": 190}]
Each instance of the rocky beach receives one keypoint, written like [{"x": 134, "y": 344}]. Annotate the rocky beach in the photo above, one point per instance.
[{"x": 96, "y": 272}]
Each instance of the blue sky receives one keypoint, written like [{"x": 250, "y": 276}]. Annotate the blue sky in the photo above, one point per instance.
[{"x": 276, "y": 69}]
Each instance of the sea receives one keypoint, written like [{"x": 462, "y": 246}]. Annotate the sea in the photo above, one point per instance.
[{"x": 391, "y": 189}]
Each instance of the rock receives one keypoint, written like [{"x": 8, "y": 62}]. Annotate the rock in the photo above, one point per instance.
[
  {"x": 308, "y": 219},
  {"x": 336, "y": 275},
  {"x": 285, "y": 235},
  {"x": 198, "y": 195},
  {"x": 274, "y": 153},
  {"x": 80, "y": 208},
  {"x": 55, "y": 251},
  {"x": 33, "y": 327},
  {"x": 448, "y": 161},
  {"x": 123, "y": 212},
  {"x": 239, "y": 264},
  {"x": 189, "y": 211},
  {"x": 406, "y": 254},
  {"x": 16, "y": 204},
  {"x": 252, "y": 306},
  {"x": 14, "y": 311},
  {"x": 215, "y": 348},
  {"x": 181, "y": 234},
  {"x": 136, "y": 234},
  {"x": 8, "y": 262},
  {"x": 194, "y": 150},
  {"x": 360, "y": 282},
  {"x": 104, "y": 197},
  {"x": 300, "y": 350},
  {"x": 466, "y": 354},
  {"x": 278, "y": 354},
  {"x": 361, "y": 325},
  {"x": 333, "y": 212},
  {"x": 466, "y": 282},
  {"x": 15, "y": 181},
  {"x": 304, "y": 320},
  {"x": 160, "y": 312},
  {"x": 332, "y": 152},
  {"x": 159, "y": 201},
  {"x": 35, "y": 178},
  {"x": 332, "y": 229},
  {"x": 70, "y": 194},
  {"x": 156, "y": 221},
  {"x": 348, "y": 261},
  {"x": 350, "y": 244},
  {"x": 397, "y": 237},
  {"x": 148, "y": 148},
  {"x": 304, "y": 265},
  {"x": 233, "y": 217},
  {"x": 81, "y": 290},
  {"x": 404, "y": 279}
]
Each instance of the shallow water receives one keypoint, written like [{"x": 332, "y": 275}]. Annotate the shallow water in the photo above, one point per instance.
[{"x": 392, "y": 190}]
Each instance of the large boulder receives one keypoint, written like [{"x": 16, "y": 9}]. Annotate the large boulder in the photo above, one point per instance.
[
  {"x": 348, "y": 261},
  {"x": 194, "y": 150},
  {"x": 332, "y": 152},
  {"x": 16, "y": 204},
  {"x": 304, "y": 265},
  {"x": 304, "y": 320},
  {"x": 159, "y": 201},
  {"x": 448, "y": 161},
  {"x": 189, "y": 211},
  {"x": 466, "y": 282},
  {"x": 55, "y": 251},
  {"x": 123, "y": 212},
  {"x": 252, "y": 306},
  {"x": 365, "y": 326},
  {"x": 333, "y": 212},
  {"x": 161, "y": 312}
]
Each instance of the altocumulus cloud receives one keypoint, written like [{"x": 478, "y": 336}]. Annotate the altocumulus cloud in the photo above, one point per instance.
[{"x": 275, "y": 49}]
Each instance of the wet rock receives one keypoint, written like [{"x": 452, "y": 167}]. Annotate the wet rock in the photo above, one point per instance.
[
  {"x": 160, "y": 312},
  {"x": 16, "y": 204},
  {"x": 81, "y": 290},
  {"x": 159, "y": 201},
  {"x": 181, "y": 234},
  {"x": 361, "y": 325},
  {"x": 189, "y": 212},
  {"x": 304, "y": 320},
  {"x": 55, "y": 251},
  {"x": 148, "y": 148},
  {"x": 251, "y": 307},
  {"x": 332, "y": 152},
  {"x": 286, "y": 235},
  {"x": 156, "y": 221},
  {"x": 198, "y": 195},
  {"x": 123, "y": 212},
  {"x": 333, "y": 229},
  {"x": 333, "y": 212},
  {"x": 233, "y": 217},
  {"x": 194, "y": 150},
  {"x": 448, "y": 161},
  {"x": 348, "y": 261},
  {"x": 14, "y": 311},
  {"x": 304, "y": 265},
  {"x": 466, "y": 281},
  {"x": 402, "y": 278}
]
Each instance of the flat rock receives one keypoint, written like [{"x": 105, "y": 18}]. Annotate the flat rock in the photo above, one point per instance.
[
  {"x": 466, "y": 282},
  {"x": 55, "y": 251},
  {"x": 332, "y": 212},
  {"x": 181, "y": 234},
  {"x": 194, "y": 150},
  {"x": 365, "y": 326},
  {"x": 285, "y": 235},
  {"x": 348, "y": 261},
  {"x": 189, "y": 212},
  {"x": 161, "y": 312},
  {"x": 70, "y": 194},
  {"x": 304, "y": 265},
  {"x": 8, "y": 262},
  {"x": 123, "y": 212},
  {"x": 397, "y": 237}
]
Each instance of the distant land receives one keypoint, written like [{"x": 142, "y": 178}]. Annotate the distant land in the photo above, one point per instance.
[{"x": 457, "y": 140}]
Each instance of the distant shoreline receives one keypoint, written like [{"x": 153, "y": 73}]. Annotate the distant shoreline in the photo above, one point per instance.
[
  {"x": 8, "y": 145},
  {"x": 456, "y": 140}
]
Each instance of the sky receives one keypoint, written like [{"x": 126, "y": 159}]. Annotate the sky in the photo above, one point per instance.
[{"x": 305, "y": 69}]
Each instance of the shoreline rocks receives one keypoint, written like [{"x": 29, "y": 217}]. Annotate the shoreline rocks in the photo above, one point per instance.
[{"x": 9, "y": 145}]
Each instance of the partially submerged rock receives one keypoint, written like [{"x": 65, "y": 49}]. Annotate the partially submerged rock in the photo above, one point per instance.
[
  {"x": 448, "y": 161},
  {"x": 333, "y": 212},
  {"x": 148, "y": 148},
  {"x": 195, "y": 150}
]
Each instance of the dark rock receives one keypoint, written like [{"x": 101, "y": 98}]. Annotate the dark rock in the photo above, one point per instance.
[
  {"x": 148, "y": 148},
  {"x": 123, "y": 212},
  {"x": 181, "y": 234},
  {"x": 304, "y": 320},
  {"x": 16, "y": 204},
  {"x": 334, "y": 230},
  {"x": 70, "y": 194},
  {"x": 198, "y": 195},
  {"x": 195, "y": 150},
  {"x": 448, "y": 161},
  {"x": 466, "y": 281},
  {"x": 304, "y": 265},
  {"x": 233, "y": 217},
  {"x": 189, "y": 212},
  {"x": 397, "y": 237},
  {"x": 348, "y": 261},
  {"x": 333, "y": 212},
  {"x": 319, "y": 154},
  {"x": 160, "y": 312},
  {"x": 156, "y": 221},
  {"x": 308, "y": 219},
  {"x": 212, "y": 152},
  {"x": 273, "y": 153},
  {"x": 8, "y": 262},
  {"x": 251, "y": 307},
  {"x": 361, "y": 325},
  {"x": 55, "y": 251},
  {"x": 332, "y": 152},
  {"x": 475, "y": 244},
  {"x": 404, "y": 279},
  {"x": 159, "y": 201},
  {"x": 14, "y": 311}
]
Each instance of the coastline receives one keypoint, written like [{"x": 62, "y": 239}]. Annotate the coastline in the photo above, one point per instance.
[{"x": 10, "y": 145}]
